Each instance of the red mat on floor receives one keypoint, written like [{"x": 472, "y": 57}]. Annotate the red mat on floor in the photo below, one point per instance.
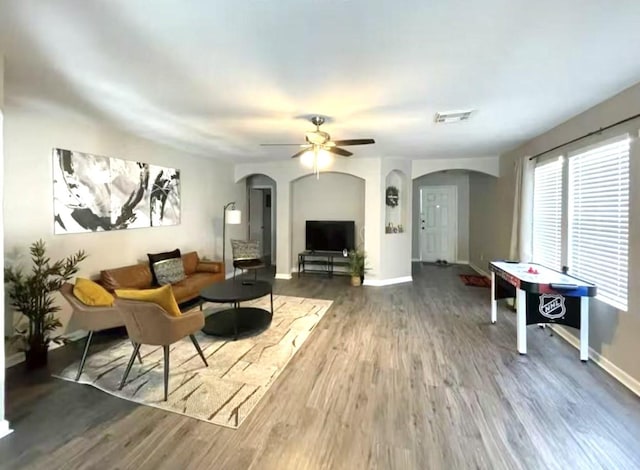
[{"x": 475, "y": 280}]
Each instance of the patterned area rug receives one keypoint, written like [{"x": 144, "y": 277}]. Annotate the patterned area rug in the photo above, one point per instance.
[
  {"x": 239, "y": 373},
  {"x": 475, "y": 280}
]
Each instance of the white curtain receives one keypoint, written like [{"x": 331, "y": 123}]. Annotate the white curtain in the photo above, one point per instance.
[{"x": 521, "y": 227}]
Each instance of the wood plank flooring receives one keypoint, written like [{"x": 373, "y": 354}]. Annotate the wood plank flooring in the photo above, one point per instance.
[{"x": 403, "y": 377}]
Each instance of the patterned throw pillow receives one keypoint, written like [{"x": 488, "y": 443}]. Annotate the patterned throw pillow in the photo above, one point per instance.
[
  {"x": 169, "y": 271},
  {"x": 155, "y": 257},
  {"x": 246, "y": 250}
]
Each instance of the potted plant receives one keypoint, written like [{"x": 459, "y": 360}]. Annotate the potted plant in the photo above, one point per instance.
[
  {"x": 31, "y": 294},
  {"x": 357, "y": 266}
]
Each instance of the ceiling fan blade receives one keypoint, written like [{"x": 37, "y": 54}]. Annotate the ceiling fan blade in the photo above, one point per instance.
[
  {"x": 274, "y": 145},
  {"x": 354, "y": 142},
  {"x": 296, "y": 155},
  {"x": 339, "y": 151}
]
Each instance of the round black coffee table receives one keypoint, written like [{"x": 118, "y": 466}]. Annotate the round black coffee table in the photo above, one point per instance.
[{"x": 237, "y": 321}]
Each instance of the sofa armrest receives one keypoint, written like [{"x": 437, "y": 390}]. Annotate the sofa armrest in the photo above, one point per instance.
[{"x": 210, "y": 267}]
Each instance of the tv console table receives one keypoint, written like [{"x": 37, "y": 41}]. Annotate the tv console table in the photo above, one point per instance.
[{"x": 321, "y": 262}]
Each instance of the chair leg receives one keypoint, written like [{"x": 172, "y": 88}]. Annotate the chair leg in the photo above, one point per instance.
[
  {"x": 84, "y": 355},
  {"x": 195, "y": 343},
  {"x": 135, "y": 352},
  {"x": 139, "y": 355},
  {"x": 166, "y": 371}
]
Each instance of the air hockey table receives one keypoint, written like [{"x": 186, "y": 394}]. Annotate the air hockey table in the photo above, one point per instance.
[{"x": 542, "y": 296}]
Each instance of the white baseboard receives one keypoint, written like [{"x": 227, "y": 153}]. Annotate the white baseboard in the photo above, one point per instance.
[
  {"x": 228, "y": 275},
  {"x": 18, "y": 357},
  {"x": 604, "y": 363},
  {"x": 283, "y": 276},
  {"x": 478, "y": 270},
  {"x": 460, "y": 261},
  {"x": 5, "y": 430},
  {"x": 387, "y": 282}
]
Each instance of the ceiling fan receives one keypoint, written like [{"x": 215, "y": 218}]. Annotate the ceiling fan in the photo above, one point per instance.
[{"x": 319, "y": 140}]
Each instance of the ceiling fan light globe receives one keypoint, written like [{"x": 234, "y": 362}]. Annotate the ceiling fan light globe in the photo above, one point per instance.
[
  {"x": 325, "y": 159},
  {"x": 307, "y": 159}
]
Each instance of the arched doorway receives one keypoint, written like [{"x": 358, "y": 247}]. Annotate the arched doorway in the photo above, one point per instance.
[
  {"x": 335, "y": 196},
  {"x": 447, "y": 215},
  {"x": 261, "y": 214}
]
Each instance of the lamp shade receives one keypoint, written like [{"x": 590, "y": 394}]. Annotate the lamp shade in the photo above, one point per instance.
[{"x": 233, "y": 217}]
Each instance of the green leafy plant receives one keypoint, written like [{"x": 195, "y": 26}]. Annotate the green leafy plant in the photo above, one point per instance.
[
  {"x": 31, "y": 294},
  {"x": 357, "y": 262}
]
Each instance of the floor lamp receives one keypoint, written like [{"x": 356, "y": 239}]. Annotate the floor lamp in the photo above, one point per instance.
[{"x": 231, "y": 217}]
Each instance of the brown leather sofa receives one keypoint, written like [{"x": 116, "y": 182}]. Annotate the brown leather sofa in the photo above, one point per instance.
[{"x": 138, "y": 276}]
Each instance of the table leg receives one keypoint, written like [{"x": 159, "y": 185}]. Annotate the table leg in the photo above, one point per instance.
[
  {"x": 236, "y": 306},
  {"x": 271, "y": 303},
  {"x": 494, "y": 302},
  {"x": 584, "y": 329},
  {"x": 521, "y": 299}
]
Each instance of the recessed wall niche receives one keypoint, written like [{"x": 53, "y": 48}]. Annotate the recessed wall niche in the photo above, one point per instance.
[{"x": 395, "y": 202}]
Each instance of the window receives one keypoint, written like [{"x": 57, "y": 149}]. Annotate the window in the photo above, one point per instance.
[
  {"x": 585, "y": 225},
  {"x": 547, "y": 215},
  {"x": 598, "y": 219}
]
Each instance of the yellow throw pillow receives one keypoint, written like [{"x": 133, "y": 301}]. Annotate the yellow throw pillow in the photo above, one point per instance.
[
  {"x": 92, "y": 293},
  {"x": 162, "y": 296}
]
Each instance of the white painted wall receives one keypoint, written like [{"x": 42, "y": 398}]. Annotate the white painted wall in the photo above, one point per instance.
[
  {"x": 29, "y": 137},
  {"x": 387, "y": 263},
  {"x": 459, "y": 179},
  {"x": 335, "y": 196},
  {"x": 285, "y": 172},
  {"x": 488, "y": 165},
  {"x": 396, "y": 247},
  {"x": 4, "y": 424},
  {"x": 482, "y": 193},
  {"x": 613, "y": 333}
]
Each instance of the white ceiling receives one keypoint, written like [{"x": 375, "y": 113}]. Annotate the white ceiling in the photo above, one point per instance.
[{"x": 218, "y": 77}]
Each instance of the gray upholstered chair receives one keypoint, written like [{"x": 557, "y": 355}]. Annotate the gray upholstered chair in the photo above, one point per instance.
[
  {"x": 91, "y": 319},
  {"x": 148, "y": 323},
  {"x": 247, "y": 255}
]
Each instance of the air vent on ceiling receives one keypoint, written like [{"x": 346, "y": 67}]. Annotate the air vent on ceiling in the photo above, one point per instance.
[{"x": 449, "y": 117}]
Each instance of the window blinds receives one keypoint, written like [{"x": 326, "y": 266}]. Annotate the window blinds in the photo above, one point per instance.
[
  {"x": 547, "y": 215},
  {"x": 598, "y": 241}
]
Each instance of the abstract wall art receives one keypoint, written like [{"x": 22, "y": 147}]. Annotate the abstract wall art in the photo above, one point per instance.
[{"x": 94, "y": 193}]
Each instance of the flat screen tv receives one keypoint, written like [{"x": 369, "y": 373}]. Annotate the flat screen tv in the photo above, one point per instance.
[{"x": 330, "y": 235}]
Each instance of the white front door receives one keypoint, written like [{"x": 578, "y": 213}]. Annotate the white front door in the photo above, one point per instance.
[{"x": 438, "y": 223}]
